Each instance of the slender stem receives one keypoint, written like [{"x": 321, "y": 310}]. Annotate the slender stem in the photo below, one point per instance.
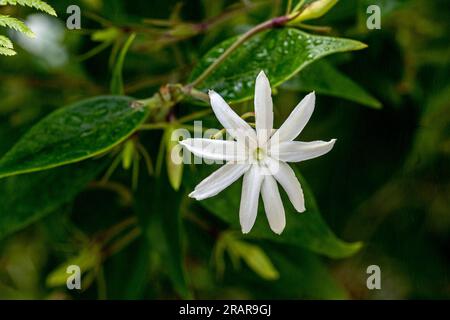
[
  {"x": 117, "y": 229},
  {"x": 248, "y": 115},
  {"x": 195, "y": 93},
  {"x": 94, "y": 51},
  {"x": 228, "y": 14},
  {"x": 122, "y": 242},
  {"x": 299, "y": 6},
  {"x": 112, "y": 168},
  {"x": 135, "y": 172},
  {"x": 101, "y": 284},
  {"x": 194, "y": 116},
  {"x": 124, "y": 193},
  {"x": 147, "y": 158},
  {"x": 153, "y": 126},
  {"x": 275, "y": 22},
  {"x": 289, "y": 7},
  {"x": 218, "y": 134},
  {"x": 323, "y": 29}
]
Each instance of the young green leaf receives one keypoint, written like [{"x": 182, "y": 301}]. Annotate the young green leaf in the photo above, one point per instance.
[
  {"x": 106, "y": 35},
  {"x": 36, "y": 4},
  {"x": 88, "y": 259},
  {"x": 117, "y": 78},
  {"x": 281, "y": 53},
  {"x": 323, "y": 78},
  {"x": 306, "y": 229},
  {"x": 74, "y": 133},
  {"x": 254, "y": 257},
  {"x": 27, "y": 198},
  {"x": 15, "y": 24}
]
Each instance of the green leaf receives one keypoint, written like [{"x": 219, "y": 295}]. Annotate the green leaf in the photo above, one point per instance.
[
  {"x": 74, "y": 133},
  {"x": 37, "y": 4},
  {"x": 306, "y": 229},
  {"x": 136, "y": 254},
  {"x": 27, "y": 198},
  {"x": 323, "y": 78},
  {"x": 88, "y": 259},
  {"x": 7, "y": 52},
  {"x": 158, "y": 209},
  {"x": 117, "y": 79},
  {"x": 6, "y": 42},
  {"x": 255, "y": 258},
  {"x": 281, "y": 53},
  {"x": 432, "y": 139},
  {"x": 15, "y": 24},
  {"x": 106, "y": 35}
]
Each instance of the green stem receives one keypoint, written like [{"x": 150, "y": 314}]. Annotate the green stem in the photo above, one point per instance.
[
  {"x": 147, "y": 158},
  {"x": 298, "y": 6},
  {"x": 122, "y": 242},
  {"x": 194, "y": 116},
  {"x": 289, "y": 7},
  {"x": 101, "y": 284},
  {"x": 153, "y": 126}
]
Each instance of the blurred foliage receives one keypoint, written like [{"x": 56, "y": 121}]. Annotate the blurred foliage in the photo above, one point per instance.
[
  {"x": 6, "y": 45},
  {"x": 124, "y": 215}
]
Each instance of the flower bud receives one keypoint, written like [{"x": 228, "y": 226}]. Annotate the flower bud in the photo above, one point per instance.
[{"x": 314, "y": 10}]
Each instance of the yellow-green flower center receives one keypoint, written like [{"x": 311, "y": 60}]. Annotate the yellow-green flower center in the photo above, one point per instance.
[{"x": 259, "y": 154}]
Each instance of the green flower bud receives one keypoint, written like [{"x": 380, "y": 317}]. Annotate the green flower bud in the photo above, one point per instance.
[{"x": 313, "y": 10}]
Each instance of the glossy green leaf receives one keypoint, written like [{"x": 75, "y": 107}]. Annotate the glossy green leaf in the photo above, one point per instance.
[
  {"x": 158, "y": 209},
  {"x": 323, "y": 78},
  {"x": 306, "y": 229},
  {"x": 281, "y": 53},
  {"x": 26, "y": 198},
  {"x": 74, "y": 133}
]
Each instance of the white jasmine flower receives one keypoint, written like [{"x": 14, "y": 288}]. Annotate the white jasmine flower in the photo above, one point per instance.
[
  {"x": 48, "y": 41},
  {"x": 259, "y": 155}
]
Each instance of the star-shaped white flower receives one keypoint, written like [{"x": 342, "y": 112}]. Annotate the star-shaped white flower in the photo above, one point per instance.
[{"x": 260, "y": 156}]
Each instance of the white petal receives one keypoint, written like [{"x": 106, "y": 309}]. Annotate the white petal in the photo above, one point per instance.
[
  {"x": 296, "y": 151},
  {"x": 219, "y": 180},
  {"x": 296, "y": 121},
  {"x": 215, "y": 149},
  {"x": 263, "y": 108},
  {"x": 235, "y": 125},
  {"x": 251, "y": 187},
  {"x": 286, "y": 177},
  {"x": 273, "y": 205}
]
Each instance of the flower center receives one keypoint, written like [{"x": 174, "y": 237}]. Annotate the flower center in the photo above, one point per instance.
[{"x": 259, "y": 154}]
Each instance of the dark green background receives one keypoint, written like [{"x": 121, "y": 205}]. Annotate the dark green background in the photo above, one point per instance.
[{"x": 386, "y": 182}]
